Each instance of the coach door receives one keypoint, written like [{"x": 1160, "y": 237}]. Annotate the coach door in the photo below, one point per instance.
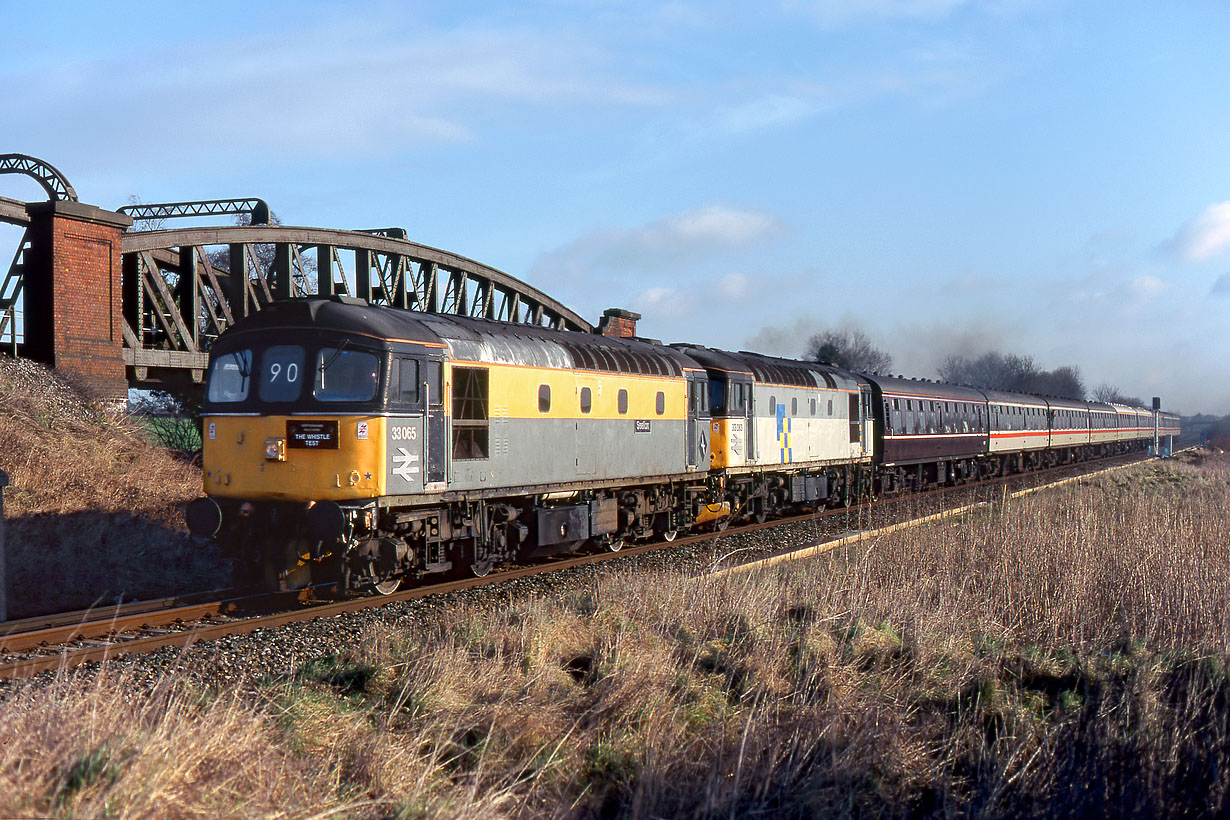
[
  {"x": 436, "y": 440},
  {"x": 868, "y": 416}
]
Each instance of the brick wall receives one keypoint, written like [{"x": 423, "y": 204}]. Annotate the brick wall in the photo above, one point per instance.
[{"x": 74, "y": 297}]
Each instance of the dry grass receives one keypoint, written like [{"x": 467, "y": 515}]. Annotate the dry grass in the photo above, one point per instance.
[
  {"x": 1064, "y": 657},
  {"x": 93, "y": 509}
]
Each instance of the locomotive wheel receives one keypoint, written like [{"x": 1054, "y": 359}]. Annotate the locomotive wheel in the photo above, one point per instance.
[
  {"x": 614, "y": 544},
  {"x": 388, "y": 586}
]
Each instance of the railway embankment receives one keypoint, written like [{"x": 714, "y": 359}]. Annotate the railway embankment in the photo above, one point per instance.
[
  {"x": 1065, "y": 654},
  {"x": 93, "y": 507}
]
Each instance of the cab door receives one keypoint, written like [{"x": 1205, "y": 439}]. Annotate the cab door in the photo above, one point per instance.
[
  {"x": 691, "y": 426},
  {"x": 436, "y": 440},
  {"x": 698, "y": 424}
]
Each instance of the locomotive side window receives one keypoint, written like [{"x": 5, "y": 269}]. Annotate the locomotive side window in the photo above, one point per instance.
[
  {"x": 345, "y": 375},
  {"x": 470, "y": 416},
  {"x": 661, "y": 403},
  {"x": 622, "y": 401},
  {"x": 830, "y": 408},
  {"x": 404, "y": 382},
  {"x": 794, "y": 406},
  {"x": 813, "y": 407},
  {"x": 587, "y": 400},
  {"x": 281, "y": 373},
  {"x": 544, "y": 398},
  {"x": 228, "y": 378}
]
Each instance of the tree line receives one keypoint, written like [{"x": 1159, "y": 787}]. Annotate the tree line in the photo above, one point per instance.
[{"x": 853, "y": 349}]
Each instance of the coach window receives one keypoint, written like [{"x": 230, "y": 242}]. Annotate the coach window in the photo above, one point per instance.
[
  {"x": 661, "y": 403},
  {"x": 229, "y": 377},
  {"x": 587, "y": 400},
  {"x": 622, "y": 400},
  {"x": 281, "y": 374},
  {"x": 345, "y": 375},
  {"x": 544, "y": 398},
  {"x": 470, "y": 415}
]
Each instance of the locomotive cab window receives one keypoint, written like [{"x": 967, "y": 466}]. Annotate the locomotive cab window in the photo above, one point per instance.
[
  {"x": 717, "y": 396},
  {"x": 229, "y": 377},
  {"x": 470, "y": 413},
  {"x": 345, "y": 375},
  {"x": 281, "y": 373}
]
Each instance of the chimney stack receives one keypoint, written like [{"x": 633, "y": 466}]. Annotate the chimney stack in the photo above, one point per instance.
[{"x": 619, "y": 323}]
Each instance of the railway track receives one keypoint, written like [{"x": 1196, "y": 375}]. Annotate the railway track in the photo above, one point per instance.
[{"x": 32, "y": 646}]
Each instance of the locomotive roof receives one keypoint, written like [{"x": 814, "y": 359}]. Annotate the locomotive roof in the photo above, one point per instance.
[
  {"x": 476, "y": 340},
  {"x": 774, "y": 370}
]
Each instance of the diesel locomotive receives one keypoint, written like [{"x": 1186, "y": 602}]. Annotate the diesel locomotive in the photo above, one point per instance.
[{"x": 359, "y": 446}]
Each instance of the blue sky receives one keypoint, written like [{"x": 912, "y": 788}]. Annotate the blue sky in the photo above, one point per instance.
[{"x": 1034, "y": 176}]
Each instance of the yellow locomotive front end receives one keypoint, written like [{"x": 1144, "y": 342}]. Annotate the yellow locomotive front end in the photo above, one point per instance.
[
  {"x": 294, "y": 458},
  {"x": 306, "y": 428}
]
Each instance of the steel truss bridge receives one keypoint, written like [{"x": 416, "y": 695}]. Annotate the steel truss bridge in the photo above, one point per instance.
[{"x": 181, "y": 287}]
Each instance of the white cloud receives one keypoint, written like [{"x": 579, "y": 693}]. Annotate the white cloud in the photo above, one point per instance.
[
  {"x": 1146, "y": 288},
  {"x": 733, "y": 286},
  {"x": 772, "y": 111},
  {"x": 845, "y": 12},
  {"x": 694, "y": 234},
  {"x": 1205, "y": 236},
  {"x": 344, "y": 86}
]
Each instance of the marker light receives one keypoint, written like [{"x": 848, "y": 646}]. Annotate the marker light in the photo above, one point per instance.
[{"x": 275, "y": 449}]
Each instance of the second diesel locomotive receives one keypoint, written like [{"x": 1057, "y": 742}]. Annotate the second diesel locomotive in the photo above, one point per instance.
[{"x": 362, "y": 445}]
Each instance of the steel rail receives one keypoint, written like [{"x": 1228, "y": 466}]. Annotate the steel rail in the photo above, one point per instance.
[{"x": 69, "y": 658}]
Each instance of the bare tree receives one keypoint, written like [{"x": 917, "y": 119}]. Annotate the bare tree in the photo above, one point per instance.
[
  {"x": 264, "y": 254},
  {"x": 1111, "y": 394},
  {"x": 851, "y": 349},
  {"x": 145, "y": 224},
  {"x": 996, "y": 371}
]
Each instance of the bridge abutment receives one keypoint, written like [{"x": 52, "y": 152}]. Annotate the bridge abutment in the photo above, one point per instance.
[{"x": 73, "y": 294}]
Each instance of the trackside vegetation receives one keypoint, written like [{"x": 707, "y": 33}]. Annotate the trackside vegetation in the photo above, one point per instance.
[
  {"x": 1063, "y": 657},
  {"x": 94, "y": 507}
]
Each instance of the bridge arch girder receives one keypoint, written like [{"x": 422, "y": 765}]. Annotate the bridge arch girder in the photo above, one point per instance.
[
  {"x": 47, "y": 175},
  {"x": 178, "y": 295}
]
